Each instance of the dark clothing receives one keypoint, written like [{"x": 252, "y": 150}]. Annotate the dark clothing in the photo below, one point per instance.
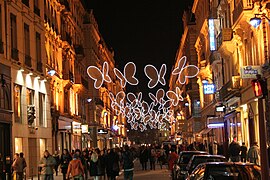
[
  {"x": 112, "y": 165},
  {"x": 64, "y": 161},
  {"x": 234, "y": 151},
  {"x": 101, "y": 165},
  {"x": 128, "y": 175},
  {"x": 128, "y": 160},
  {"x": 243, "y": 153},
  {"x": 57, "y": 159},
  {"x": 144, "y": 158}
]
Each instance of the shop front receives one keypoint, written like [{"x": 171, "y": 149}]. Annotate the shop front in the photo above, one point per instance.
[{"x": 64, "y": 133}]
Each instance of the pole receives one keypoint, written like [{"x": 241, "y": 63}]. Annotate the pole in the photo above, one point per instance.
[{"x": 263, "y": 148}]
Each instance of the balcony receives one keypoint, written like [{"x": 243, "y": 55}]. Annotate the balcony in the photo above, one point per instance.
[
  {"x": 242, "y": 5},
  {"x": 15, "y": 54},
  {"x": 27, "y": 60},
  {"x": 231, "y": 88},
  {"x": 40, "y": 66}
]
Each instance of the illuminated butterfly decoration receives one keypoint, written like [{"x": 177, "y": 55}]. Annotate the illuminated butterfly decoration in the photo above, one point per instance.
[
  {"x": 128, "y": 76},
  {"x": 99, "y": 76},
  {"x": 184, "y": 71},
  {"x": 158, "y": 98},
  {"x": 175, "y": 97},
  {"x": 133, "y": 100},
  {"x": 154, "y": 76},
  {"x": 142, "y": 127},
  {"x": 134, "y": 125}
]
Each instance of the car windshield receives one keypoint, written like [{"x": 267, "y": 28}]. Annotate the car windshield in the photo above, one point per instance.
[
  {"x": 184, "y": 159},
  {"x": 198, "y": 160},
  {"x": 233, "y": 173}
]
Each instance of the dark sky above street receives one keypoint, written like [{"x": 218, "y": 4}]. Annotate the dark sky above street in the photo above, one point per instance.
[{"x": 141, "y": 31}]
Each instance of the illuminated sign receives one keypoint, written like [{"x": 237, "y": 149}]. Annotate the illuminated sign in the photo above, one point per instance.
[
  {"x": 84, "y": 128},
  {"x": 209, "y": 89},
  {"x": 212, "y": 35},
  {"x": 220, "y": 108},
  {"x": 102, "y": 131},
  {"x": 250, "y": 71}
]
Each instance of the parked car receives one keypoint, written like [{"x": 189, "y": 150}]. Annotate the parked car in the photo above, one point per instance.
[
  {"x": 198, "y": 159},
  {"x": 179, "y": 167},
  {"x": 226, "y": 170}
]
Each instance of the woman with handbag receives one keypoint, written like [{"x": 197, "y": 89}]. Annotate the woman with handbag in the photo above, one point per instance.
[{"x": 65, "y": 159}]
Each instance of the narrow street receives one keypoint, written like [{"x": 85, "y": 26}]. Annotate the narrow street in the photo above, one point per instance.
[{"x": 158, "y": 174}]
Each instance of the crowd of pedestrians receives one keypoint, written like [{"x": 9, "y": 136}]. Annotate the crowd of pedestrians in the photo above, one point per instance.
[{"x": 81, "y": 165}]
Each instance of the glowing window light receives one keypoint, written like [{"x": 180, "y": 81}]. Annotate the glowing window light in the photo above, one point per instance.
[{"x": 215, "y": 125}]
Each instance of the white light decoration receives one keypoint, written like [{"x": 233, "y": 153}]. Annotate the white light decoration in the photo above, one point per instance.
[
  {"x": 128, "y": 76},
  {"x": 154, "y": 76},
  {"x": 184, "y": 71},
  {"x": 139, "y": 113},
  {"x": 98, "y": 76}
]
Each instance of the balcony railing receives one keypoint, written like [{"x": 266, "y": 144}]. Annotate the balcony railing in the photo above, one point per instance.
[
  {"x": 27, "y": 60},
  {"x": 230, "y": 87}
]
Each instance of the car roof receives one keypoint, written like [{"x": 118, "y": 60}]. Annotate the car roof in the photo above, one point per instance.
[
  {"x": 193, "y": 152},
  {"x": 228, "y": 163},
  {"x": 208, "y": 155}
]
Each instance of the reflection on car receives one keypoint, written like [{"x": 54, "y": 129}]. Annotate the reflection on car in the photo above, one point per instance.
[
  {"x": 225, "y": 171},
  {"x": 179, "y": 167}
]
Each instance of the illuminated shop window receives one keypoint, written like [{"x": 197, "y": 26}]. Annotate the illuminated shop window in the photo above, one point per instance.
[
  {"x": 18, "y": 145},
  {"x": 41, "y": 109},
  {"x": 17, "y": 103},
  {"x": 42, "y": 146}
]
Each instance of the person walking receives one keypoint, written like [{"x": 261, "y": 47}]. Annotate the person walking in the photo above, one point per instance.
[
  {"x": 18, "y": 166},
  {"x": 128, "y": 164},
  {"x": 215, "y": 148},
  {"x": 243, "y": 155},
  {"x": 112, "y": 166},
  {"x": 101, "y": 164},
  {"x": 75, "y": 168},
  {"x": 2, "y": 167},
  {"x": 152, "y": 158},
  {"x": 234, "y": 151},
  {"x": 94, "y": 165},
  {"x": 161, "y": 155},
  {"x": 85, "y": 156},
  {"x": 57, "y": 160},
  {"x": 64, "y": 161},
  {"x": 47, "y": 164},
  {"x": 172, "y": 159},
  {"x": 253, "y": 154},
  {"x": 144, "y": 157}
]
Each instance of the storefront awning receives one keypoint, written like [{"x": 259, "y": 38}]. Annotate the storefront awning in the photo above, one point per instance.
[{"x": 205, "y": 131}]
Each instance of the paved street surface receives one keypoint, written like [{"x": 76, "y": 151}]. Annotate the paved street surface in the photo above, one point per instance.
[{"x": 158, "y": 174}]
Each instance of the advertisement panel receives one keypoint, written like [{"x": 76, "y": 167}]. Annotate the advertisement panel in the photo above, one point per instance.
[{"x": 250, "y": 71}]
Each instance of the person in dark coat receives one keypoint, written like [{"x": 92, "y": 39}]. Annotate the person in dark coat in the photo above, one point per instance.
[
  {"x": 85, "y": 156},
  {"x": 128, "y": 164},
  {"x": 101, "y": 164},
  {"x": 64, "y": 162},
  {"x": 94, "y": 165},
  {"x": 144, "y": 157},
  {"x": 112, "y": 165},
  {"x": 234, "y": 150},
  {"x": 243, "y": 152}
]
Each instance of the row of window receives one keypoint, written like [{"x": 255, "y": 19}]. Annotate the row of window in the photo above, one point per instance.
[{"x": 29, "y": 100}]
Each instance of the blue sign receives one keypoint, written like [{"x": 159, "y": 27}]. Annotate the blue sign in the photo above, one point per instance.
[
  {"x": 209, "y": 89},
  {"x": 212, "y": 35}
]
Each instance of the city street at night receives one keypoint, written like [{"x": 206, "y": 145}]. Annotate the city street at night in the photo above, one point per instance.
[{"x": 89, "y": 86}]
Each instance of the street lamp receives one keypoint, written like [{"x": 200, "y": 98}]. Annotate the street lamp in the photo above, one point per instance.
[{"x": 257, "y": 19}]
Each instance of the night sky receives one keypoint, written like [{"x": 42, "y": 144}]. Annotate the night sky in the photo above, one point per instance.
[{"x": 141, "y": 31}]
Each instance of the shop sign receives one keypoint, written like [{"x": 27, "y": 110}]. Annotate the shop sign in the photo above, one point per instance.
[
  {"x": 84, "y": 128},
  {"x": 220, "y": 108},
  {"x": 250, "y": 71},
  {"x": 76, "y": 128},
  {"x": 209, "y": 89},
  {"x": 212, "y": 37}
]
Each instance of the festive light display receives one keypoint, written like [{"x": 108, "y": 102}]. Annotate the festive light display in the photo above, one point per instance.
[
  {"x": 152, "y": 73},
  {"x": 139, "y": 113}
]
